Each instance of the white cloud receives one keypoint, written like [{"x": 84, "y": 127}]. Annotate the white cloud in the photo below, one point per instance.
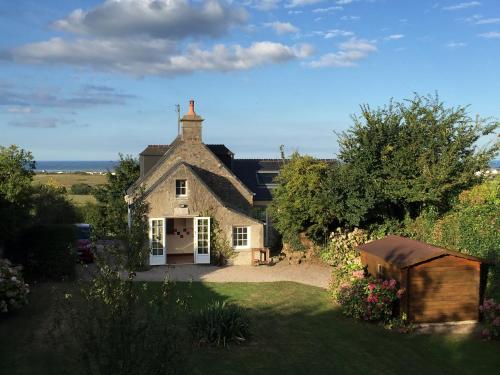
[
  {"x": 394, "y": 37},
  {"x": 157, "y": 57},
  {"x": 335, "y": 33},
  {"x": 327, "y": 10},
  {"x": 465, "y": 5},
  {"x": 487, "y": 21},
  {"x": 42, "y": 123},
  {"x": 350, "y": 18},
  {"x": 19, "y": 109},
  {"x": 301, "y": 3},
  {"x": 348, "y": 54},
  {"x": 265, "y": 4},
  {"x": 454, "y": 45},
  {"x": 295, "y": 12},
  {"x": 168, "y": 19},
  {"x": 343, "y": 2},
  {"x": 490, "y": 35},
  {"x": 282, "y": 27}
]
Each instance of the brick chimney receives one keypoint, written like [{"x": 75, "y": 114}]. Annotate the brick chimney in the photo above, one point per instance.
[{"x": 191, "y": 125}]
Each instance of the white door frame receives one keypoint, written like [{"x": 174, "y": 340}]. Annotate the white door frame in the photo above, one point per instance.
[
  {"x": 159, "y": 259},
  {"x": 202, "y": 257}
]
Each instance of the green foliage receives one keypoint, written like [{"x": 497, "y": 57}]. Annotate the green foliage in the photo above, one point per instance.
[
  {"x": 81, "y": 189},
  {"x": 220, "y": 247},
  {"x": 116, "y": 326},
  {"x": 369, "y": 299},
  {"x": 340, "y": 252},
  {"x": 93, "y": 214},
  {"x": 412, "y": 155},
  {"x": 50, "y": 206},
  {"x": 47, "y": 252},
  {"x": 220, "y": 324},
  {"x": 110, "y": 197},
  {"x": 471, "y": 226},
  {"x": 136, "y": 240},
  {"x": 13, "y": 290},
  {"x": 298, "y": 204},
  {"x": 16, "y": 175}
]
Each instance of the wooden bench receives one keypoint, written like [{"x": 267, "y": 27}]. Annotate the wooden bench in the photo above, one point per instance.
[{"x": 262, "y": 258}]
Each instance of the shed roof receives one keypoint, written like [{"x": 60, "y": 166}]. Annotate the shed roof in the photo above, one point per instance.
[{"x": 405, "y": 252}]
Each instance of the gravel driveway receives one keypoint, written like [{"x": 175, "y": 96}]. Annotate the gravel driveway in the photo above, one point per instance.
[{"x": 310, "y": 274}]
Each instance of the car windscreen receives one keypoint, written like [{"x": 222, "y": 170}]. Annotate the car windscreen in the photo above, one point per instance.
[{"x": 83, "y": 233}]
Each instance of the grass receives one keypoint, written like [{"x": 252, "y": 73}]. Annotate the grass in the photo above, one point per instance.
[
  {"x": 68, "y": 179},
  {"x": 295, "y": 328}
]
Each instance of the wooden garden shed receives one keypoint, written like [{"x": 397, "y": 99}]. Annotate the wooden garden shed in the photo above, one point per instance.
[{"x": 441, "y": 285}]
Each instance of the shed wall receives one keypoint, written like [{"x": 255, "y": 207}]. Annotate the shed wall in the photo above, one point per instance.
[{"x": 444, "y": 289}]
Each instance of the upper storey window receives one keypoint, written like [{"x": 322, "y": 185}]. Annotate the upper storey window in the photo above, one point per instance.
[{"x": 180, "y": 188}]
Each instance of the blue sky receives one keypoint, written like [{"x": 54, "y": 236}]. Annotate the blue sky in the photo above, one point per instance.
[{"x": 85, "y": 80}]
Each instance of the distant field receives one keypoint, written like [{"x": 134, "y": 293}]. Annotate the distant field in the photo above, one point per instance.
[
  {"x": 81, "y": 200},
  {"x": 68, "y": 179}
]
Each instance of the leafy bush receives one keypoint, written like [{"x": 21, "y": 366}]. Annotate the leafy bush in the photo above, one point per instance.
[
  {"x": 220, "y": 324},
  {"x": 491, "y": 314},
  {"x": 369, "y": 299},
  {"x": 115, "y": 326},
  {"x": 470, "y": 227},
  {"x": 341, "y": 253},
  {"x": 13, "y": 290},
  {"x": 46, "y": 252},
  {"x": 50, "y": 206},
  {"x": 220, "y": 247},
  {"x": 81, "y": 189}
]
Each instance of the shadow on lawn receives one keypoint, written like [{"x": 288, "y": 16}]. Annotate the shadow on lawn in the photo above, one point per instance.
[{"x": 295, "y": 330}]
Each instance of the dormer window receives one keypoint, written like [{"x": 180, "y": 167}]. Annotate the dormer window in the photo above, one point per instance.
[
  {"x": 180, "y": 188},
  {"x": 267, "y": 178}
]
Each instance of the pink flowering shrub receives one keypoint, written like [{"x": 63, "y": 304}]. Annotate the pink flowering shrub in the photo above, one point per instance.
[
  {"x": 369, "y": 298},
  {"x": 491, "y": 315},
  {"x": 13, "y": 290}
]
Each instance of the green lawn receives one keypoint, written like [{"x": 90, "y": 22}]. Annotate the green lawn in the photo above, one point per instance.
[{"x": 295, "y": 331}]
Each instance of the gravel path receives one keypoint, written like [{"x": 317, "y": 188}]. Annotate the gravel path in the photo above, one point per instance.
[{"x": 310, "y": 274}]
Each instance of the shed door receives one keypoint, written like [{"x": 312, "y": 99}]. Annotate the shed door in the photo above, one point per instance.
[
  {"x": 202, "y": 240},
  {"x": 444, "y": 289}
]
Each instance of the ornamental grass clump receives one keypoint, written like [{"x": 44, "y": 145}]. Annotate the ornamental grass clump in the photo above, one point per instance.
[
  {"x": 13, "y": 290},
  {"x": 369, "y": 298},
  {"x": 491, "y": 315},
  {"x": 220, "y": 324}
]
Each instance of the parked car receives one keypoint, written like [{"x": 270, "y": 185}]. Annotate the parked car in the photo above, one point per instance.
[{"x": 84, "y": 243}]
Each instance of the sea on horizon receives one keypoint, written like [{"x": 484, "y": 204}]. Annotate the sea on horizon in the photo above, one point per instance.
[
  {"x": 109, "y": 165},
  {"x": 76, "y": 166}
]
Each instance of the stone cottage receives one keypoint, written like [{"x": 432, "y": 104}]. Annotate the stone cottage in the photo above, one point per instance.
[{"x": 189, "y": 183}]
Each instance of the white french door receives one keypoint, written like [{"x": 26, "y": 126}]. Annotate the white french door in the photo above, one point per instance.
[
  {"x": 157, "y": 243},
  {"x": 202, "y": 240}
]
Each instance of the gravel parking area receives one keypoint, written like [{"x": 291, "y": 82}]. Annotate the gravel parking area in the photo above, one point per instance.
[{"x": 310, "y": 274}]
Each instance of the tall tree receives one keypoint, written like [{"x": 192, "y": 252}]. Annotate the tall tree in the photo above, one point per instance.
[
  {"x": 112, "y": 206},
  {"x": 412, "y": 155},
  {"x": 298, "y": 204},
  {"x": 16, "y": 175}
]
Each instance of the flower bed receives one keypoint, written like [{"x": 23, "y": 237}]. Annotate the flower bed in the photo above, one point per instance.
[
  {"x": 13, "y": 290},
  {"x": 369, "y": 298},
  {"x": 491, "y": 314}
]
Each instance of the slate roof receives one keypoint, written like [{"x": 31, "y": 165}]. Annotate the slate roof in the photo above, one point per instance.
[
  {"x": 158, "y": 150},
  {"x": 404, "y": 252},
  {"x": 246, "y": 170}
]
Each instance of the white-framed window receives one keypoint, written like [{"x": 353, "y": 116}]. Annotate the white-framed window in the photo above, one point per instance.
[
  {"x": 241, "y": 237},
  {"x": 180, "y": 188},
  {"x": 157, "y": 236}
]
